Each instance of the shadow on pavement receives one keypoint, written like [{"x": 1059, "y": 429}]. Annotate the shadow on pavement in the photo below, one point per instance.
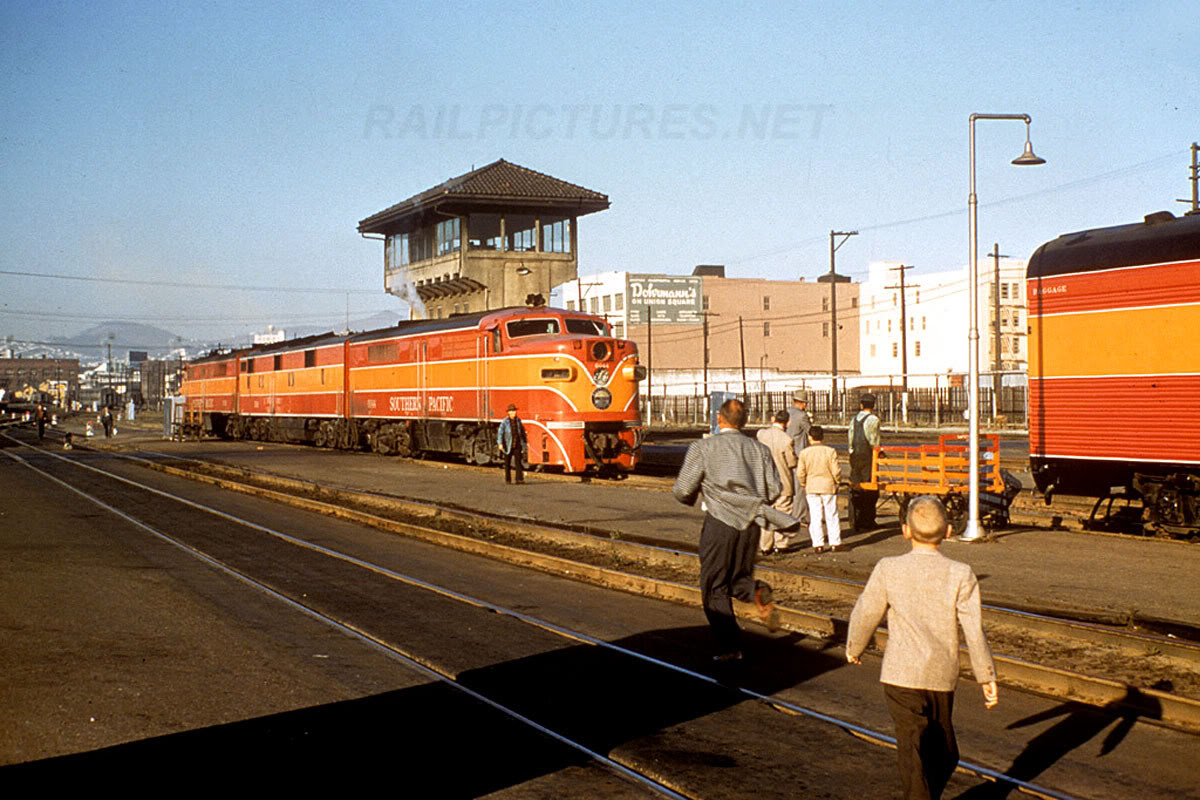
[
  {"x": 1080, "y": 723},
  {"x": 433, "y": 735}
]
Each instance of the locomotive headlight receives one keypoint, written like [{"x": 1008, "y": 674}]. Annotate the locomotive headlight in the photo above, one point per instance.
[
  {"x": 634, "y": 372},
  {"x": 602, "y": 398}
]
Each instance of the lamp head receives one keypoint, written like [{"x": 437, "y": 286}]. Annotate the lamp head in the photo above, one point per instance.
[{"x": 1028, "y": 159}]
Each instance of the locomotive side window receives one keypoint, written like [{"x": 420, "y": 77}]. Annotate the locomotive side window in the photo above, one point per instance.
[
  {"x": 588, "y": 327},
  {"x": 531, "y": 327}
]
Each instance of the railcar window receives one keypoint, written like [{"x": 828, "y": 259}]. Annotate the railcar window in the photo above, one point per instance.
[
  {"x": 588, "y": 327},
  {"x": 531, "y": 327},
  {"x": 278, "y": 363},
  {"x": 310, "y": 358}
]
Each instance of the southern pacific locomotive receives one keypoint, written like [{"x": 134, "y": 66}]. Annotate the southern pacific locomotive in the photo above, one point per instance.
[
  {"x": 434, "y": 386},
  {"x": 1114, "y": 367}
]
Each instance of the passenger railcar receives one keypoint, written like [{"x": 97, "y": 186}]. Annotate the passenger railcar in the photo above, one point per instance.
[
  {"x": 1114, "y": 367},
  {"x": 435, "y": 386}
]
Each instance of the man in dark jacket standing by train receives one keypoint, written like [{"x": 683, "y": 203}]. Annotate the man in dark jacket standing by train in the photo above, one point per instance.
[{"x": 510, "y": 440}]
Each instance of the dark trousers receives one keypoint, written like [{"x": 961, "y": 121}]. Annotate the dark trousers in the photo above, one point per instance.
[
  {"x": 726, "y": 571},
  {"x": 513, "y": 460},
  {"x": 862, "y": 509},
  {"x": 925, "y": 743}
]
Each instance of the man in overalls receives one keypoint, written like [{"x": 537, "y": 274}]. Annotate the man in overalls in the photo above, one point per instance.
[{"x": 864, "y": 438}]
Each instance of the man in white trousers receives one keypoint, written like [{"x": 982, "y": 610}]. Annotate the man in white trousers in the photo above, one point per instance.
[{"x": 817, "y": 475}]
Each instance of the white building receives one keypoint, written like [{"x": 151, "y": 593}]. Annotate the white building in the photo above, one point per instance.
[
  {"x": 602, "y": 294},
  {"x": 272, "y": 336},
  {"x": 935, "y": 319}
]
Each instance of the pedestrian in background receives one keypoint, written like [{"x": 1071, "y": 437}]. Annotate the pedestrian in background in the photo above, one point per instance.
[
  {"x": 107, "y": 421},
  {"x": 799, "y": 422},
  {"x": 781, "y": 447},
  {"x": 736, "y": 477},
  {"x": 41, "y": 421},
  {"x": 510, "y": 440},
  {"x": 817, "y": 475},
  {"x": 864, "y": 438},
  {"x": 926, "y": 597}
]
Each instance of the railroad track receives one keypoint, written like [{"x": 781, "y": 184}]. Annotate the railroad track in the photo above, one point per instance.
[
  {"x": 591, "y": 556},
  {"x": 237, "y": 562}
]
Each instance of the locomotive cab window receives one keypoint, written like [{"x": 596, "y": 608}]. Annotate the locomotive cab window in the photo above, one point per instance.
[
  {"x": 531, "y": 327},
  {"x": 588, "y": 327}
]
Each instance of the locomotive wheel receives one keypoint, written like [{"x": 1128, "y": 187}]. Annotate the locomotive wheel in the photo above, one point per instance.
[
  {"x": 402, "y": 441},
  {"x": 482, "y": 446},
  {"x": 325, "y": 436}
]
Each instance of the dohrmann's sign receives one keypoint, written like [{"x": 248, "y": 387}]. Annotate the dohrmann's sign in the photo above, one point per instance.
[{"x": 670, "y": 299}]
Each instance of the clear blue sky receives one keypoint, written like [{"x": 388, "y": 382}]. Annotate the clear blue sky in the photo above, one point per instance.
[{"x": 239, "y": 144}]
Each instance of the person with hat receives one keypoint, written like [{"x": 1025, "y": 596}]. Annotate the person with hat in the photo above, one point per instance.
[
  {"x": 864, "y": 438},
  {"x": 799, "y": 422},
  {"x": 510, "y": 441}
]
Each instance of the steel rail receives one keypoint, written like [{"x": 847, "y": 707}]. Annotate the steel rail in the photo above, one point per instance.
[
  {"x": 838, "y": 588},
  {"x": 862, "y": 732},
  {"x": 343, "y": 626}
]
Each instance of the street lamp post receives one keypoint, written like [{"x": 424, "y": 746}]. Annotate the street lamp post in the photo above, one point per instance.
[{"x": 973, "y": 530}]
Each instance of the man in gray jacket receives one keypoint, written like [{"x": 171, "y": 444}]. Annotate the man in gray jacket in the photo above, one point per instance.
[
  {"x": 737, "y": 478},
  {"x": 926, "y": 597}
]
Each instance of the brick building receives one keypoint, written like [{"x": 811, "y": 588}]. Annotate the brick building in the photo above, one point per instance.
[
  {"x": 777, "y": 330},
  {"x": 20, "y": 377}
]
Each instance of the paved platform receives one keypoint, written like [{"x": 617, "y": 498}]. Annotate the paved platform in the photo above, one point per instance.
[{"x": 1031, "y": 568}]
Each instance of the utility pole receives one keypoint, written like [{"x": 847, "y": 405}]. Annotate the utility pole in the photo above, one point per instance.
[
  {"x": 742, "y": 343},
  {"x": 649, "y": 367},
  {"x": 833, "y": 279},
  {"x": 1195, "y": 179},
  {"x": 706, "y": 315},
  {"x": 903, "y": 323},
  {"x": 996, "y": 366}
]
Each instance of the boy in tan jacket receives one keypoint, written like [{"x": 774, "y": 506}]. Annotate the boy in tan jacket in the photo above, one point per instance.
[
  {"x": 926, "y": 598},
  {"x": 817, "y": 476}
]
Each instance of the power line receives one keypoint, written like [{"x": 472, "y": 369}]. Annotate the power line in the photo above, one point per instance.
[
  {"x": 1076, "y": 184},
  {"x": 63, "y": 315},
  {"x": 181, "y": 285}
]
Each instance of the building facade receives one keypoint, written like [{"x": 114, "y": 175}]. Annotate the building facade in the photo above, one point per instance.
[
  {"x": 24, "y": 378},
  {"x": 770, "y": 332},
  {"x": 491, "y": 238},
  {"x": 933, "y": 325}
]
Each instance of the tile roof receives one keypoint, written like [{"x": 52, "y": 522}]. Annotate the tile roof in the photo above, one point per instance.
[{"x": 499, "y": 181}]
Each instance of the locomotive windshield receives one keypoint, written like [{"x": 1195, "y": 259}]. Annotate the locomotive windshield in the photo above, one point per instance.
[
  {"x": 532, "y": 327},
  {"x": 588, "y": 327}
]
